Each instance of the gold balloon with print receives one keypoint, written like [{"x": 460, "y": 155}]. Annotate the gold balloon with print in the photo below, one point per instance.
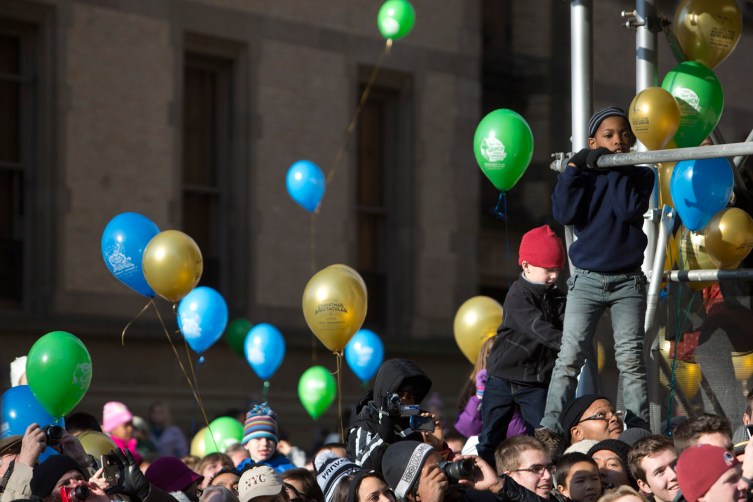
[
  {"x": 654, "y": 117},
  {"x": 334, "y": 305},
  {"x": 708, "y": 30},
  {"x": 694, "y": 256},
  {"x": 476, "y": 321},
  {"x": 172, "y": 264},
  {"x": 729, "y": 237}
]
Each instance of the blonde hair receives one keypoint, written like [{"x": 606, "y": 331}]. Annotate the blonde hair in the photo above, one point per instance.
[
  {"x": 481, "y": 359},
  {"x": 622, "y": 491}
]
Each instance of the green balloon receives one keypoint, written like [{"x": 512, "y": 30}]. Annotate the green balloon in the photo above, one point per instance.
[
  {"x": 235, "y": 334},
  {"x": 396, "y": 19},
  {"x": 59, "y": 372},
  {"x": 226, "y": 431},
  {"x": 317, "y": 390},
  {"x": 503, "y": 145},
  {"x": 701, "y": 100}
]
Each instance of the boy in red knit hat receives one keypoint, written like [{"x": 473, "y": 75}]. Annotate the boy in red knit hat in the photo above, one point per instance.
[{"x": 521, "y": 360}]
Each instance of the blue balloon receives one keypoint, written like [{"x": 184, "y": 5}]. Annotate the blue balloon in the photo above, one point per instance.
[
  {"x": 364, "y": 354},
  {"x": 700, "y": 189},
  {"x": 20, "y": 409},
  {"x": 123, "y": 242},
  {"x": 306, "y": 184},
  {"x": 202, "y": 317},
  {"x": 265, "y": 349}
]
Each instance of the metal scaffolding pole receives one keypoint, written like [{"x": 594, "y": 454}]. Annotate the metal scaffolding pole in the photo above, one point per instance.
[
  {"x": 742, "y": 274},
  {"x": 675, "y": 155}
]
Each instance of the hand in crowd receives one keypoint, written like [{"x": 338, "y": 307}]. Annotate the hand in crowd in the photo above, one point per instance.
[
  {"x": 433, "y": 485},
  {"x": 100, "y": 480},
  {"x": 131, "y": 480},
  {"x": 96, "y": 493},
  {"x": 484, "y": 479},
  {"x": 32, "y": 445},
  {"x": 436, "y": 438}
]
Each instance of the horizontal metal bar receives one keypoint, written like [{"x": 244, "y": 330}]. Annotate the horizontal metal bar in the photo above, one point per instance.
[
  {"x": 675, "y": 155},
  {"x": 743, "y": 274}
]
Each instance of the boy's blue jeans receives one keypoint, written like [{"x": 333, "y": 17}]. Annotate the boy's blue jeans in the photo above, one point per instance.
[
  {"x": 498, "y": 406},
  {"x": 589, "y": 294}
]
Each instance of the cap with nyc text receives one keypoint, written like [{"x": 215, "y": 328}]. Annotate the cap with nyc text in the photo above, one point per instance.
[{"x": 259, "y": 481}]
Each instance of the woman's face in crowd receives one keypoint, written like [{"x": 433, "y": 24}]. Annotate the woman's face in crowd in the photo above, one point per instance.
[
  {"x": 260, "y": 449},
  {"x": 373, "y": 489}
]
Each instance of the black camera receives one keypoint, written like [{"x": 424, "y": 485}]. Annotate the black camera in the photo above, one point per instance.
[
  {"x": 76, "y": 494},
  {"x": 460, "y": 469},
  {"x": 395, "y": 406},
  {"x": 54, "y": 434}
]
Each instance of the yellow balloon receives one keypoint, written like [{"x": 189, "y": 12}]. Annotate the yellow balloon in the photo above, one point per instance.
[
  {"x": 172, "y": 264},
  {"x": 198, "y": 443},
  {"x": 743, "y": 363},
  {"x": 654, "y": 117},
  {"x": 476, "y": 321},
  {"x": 96, "y": 443},
  {"x": 729, "y": 237},
  {"x": 601, "y": 356},
  {"x": 694, "y": 256},
  {"x": 334, "y": 305},
  {"x": 708, "y": 30},
  {"x": 665, "y": 174}
]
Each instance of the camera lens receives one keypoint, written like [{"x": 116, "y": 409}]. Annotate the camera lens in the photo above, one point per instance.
[
  {"x": 81, "y": 493},
  {"x": 455, "y": 471},
  {"x": 54, "y": 433}
]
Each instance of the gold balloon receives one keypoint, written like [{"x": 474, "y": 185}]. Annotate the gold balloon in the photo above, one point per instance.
[
  {"x": 708, "y": 30},
  {"x": 729, "y": 237},
  {"x": 476, "y": 321},
  {"x": 654, "y": 117},
  {"x": 687, "y": 377},
  {"x": 198, "y": 443},
  {"x": 694, "y": 256},
  {"x": 601, "y": 356},
  {"x": 172, "y": 264},
  {"x": 96, "y": 443},
  {"x": 665, "y": 174},
  {"x": 334, "y": 305},
  {"x": 743, "y": 363}
]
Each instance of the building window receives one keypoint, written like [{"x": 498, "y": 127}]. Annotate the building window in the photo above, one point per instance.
[
  {"x": 383, "y": 206},
  {"x": 207, "y": 132},
  {"x": 20, "y": 63}
]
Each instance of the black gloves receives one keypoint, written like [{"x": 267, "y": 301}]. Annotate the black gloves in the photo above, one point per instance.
[
  {"x": 131, "y": 481},
  {"x": 587, "y": 158}
]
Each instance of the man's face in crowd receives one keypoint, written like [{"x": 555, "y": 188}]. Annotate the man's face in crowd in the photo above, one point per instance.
[
  {"x": 661, "y": 478},
  {"x": 539, "y": 478},
  {"x": 69, "y": 478},
  {"x": 727, "y": 488},
  {"x": 611, "y": 470},
  {"x": 430, "y": 464},
  {"x": 598, "y": 422}
]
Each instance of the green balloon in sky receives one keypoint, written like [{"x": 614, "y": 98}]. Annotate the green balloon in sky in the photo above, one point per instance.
[
  {"x": 396, "y": 19},
  {"x": 701, "y": 100},
  {"x": 235, "y": 334},
  {"x": 503, "y": 145},
  {"x": 226, "y": 431},
  {"x": 317, "y": 390},
  {"x": 59, "y": 372}
]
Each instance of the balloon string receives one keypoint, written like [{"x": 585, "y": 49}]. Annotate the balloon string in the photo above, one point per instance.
[
  {"x": 340, "y": 395},
  {"x": 122, "y": 335},
  {"x": 312, "y": 258},
  {"x": 503, "y": 196},
  {"x": 183, "y": 370},
  {"x": 352, "y": 125},
  {"x": 265, "y": 391}
]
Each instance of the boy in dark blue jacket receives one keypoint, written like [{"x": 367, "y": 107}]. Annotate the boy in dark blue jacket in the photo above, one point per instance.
[
  {"x": 522, "y": 357},
  {"x": 606, "y": 208}
]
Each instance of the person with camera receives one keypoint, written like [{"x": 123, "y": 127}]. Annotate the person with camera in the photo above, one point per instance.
[
  {"x": 19, "y": 470},
  {"x": 418, "y": 473},
  {"x": 390, "y": 413},
  {"x": 61, "y": 479}
]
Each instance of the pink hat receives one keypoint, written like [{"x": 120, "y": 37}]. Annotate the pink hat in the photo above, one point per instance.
[
  {"x": 115, "y": 414},
  {"x": 541, "y": 247}
]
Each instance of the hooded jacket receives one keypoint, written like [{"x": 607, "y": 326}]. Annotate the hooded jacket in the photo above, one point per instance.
[{"x": 374, "y": 429}]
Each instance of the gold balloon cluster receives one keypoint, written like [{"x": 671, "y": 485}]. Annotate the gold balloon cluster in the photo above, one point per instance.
[
  {"x": 476, "y": 321},
  {"x": 172, "y": 264},
  {"x": 708, "y": 30},
  {"x": 335, "y": 301},
  {"x": 654, "y": 117}
]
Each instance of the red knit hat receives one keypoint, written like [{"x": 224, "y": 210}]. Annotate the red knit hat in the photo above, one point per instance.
[
  {"x": 541, "y": 247},
  {"x": 700, "y": 466}
]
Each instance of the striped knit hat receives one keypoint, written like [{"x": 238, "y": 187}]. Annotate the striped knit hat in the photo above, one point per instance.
[
  {"x": 261, "y": 422},
  {"x": 599, "y": 115}
]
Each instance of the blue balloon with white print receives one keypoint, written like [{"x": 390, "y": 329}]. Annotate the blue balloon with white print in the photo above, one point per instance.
[
  {"x": 265, "y": 349},
  {"x": 306, "y": 184},
  {"x": 123, "y": 242},
  {"x": 202, "y": 317},
  {"x": 364, "y": 354}
]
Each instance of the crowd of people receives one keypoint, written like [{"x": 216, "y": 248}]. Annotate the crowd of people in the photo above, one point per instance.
[{"x": 521, "y": 433}]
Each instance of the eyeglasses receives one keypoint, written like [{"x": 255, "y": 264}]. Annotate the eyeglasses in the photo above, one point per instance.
[
  {"x": 539, "y": 469},
  {"x": 606, "y": 417}
]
